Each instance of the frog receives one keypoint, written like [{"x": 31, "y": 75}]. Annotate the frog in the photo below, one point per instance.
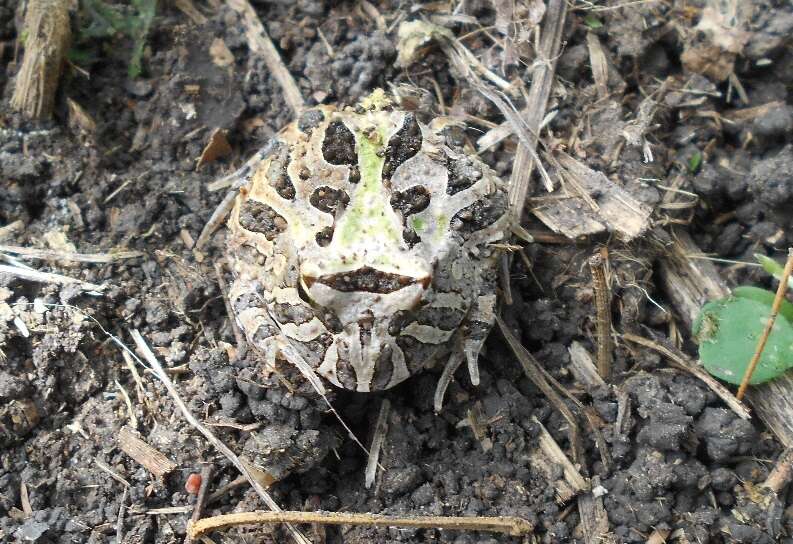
[{"x": 364, "y": 246}]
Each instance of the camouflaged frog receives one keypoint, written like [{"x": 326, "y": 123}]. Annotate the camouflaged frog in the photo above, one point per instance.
[{"x": 362, "y": 249}]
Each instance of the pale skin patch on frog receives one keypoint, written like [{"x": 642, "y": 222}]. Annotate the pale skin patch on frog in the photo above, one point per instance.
[
  {"x": 427, "y": 334},
  {"x": 401, "y": 371},
  {"x": 305, "y": 332},
  {"x": 329, "y": 366}
]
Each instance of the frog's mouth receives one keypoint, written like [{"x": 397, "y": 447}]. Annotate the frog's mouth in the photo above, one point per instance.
[{"x": 367, "y": 280}]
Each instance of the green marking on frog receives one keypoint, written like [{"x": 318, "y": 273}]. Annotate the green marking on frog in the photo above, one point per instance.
[{"x": 370, "y": 212}]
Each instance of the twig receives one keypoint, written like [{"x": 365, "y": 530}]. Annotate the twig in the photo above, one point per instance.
[
  {"x": 24, "y": 499},
  {"x": 224, "y": 290},
  {"x": 50, "y": 255},
  {"x": 780, "y": 295},
  {"x": 260, "y": 43},
  {"x": 380, "y": 431},
  {"x": 156, "y": 367},
  {"x": 582, "y": 367},
  {"x": 533, "y": 371},
  {"x": 201, "y": 499},
  {"x": 48, "y": 277},
  {"x": 542, "y": 80},
  {"x": 224, "y": 489},
  {"x": 681, "y": 361},
  {"x": 133, "y": 420},
  {"x": 217, "y": 218},
  {"x": 782, "y": 472},
  {"x": 122, "y": 508},
  {"x": 603, "y": 307},
  {"x": 113, "y": 474},
  {"x": 513, "y": 526},
  {"x": 551, "y": 448}
]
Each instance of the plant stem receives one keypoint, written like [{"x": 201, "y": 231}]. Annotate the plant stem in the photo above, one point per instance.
[{"x": 780, "y": 295}]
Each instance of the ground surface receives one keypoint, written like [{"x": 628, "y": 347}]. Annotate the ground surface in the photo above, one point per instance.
[{"x": 679, "y": 461}]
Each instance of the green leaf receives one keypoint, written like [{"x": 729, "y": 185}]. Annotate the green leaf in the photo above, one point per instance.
[
  {"x": 727, "y": 331},
  {"x": 766, "y": 297},
  {"x": 592, "y": 22},
  {"x": 694, "y": 163},
  {"x": 133, "y": 20},
  {"x": 773, "y": 268}
]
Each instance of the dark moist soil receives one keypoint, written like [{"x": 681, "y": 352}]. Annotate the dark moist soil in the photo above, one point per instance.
[{"x": 680, "y": 462}]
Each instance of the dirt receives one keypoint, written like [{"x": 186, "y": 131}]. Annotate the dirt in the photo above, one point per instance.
[{"x": 679, "y": 462}]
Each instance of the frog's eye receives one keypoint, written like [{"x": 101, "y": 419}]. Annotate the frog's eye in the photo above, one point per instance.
[
  {"x": 259, "y": 217},
  {"x": 339, "y": 145},
  {"x": 402, "y": 145},
  {"x": 329, "y": 199}
]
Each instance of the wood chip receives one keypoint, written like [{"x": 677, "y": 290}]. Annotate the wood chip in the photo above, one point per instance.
[
  {"x": 79, "y": 118},
  {"x": 594, "y": 519},
  {"x": 596, "y": 204},
  {"x": 583, "y": 367},
  {"x": 549, "y": 454},
  {"x": 217, "y": 147},
  {"x": 220, "y": 53},
  {"x": 9, "y": 230},
  {"x": 129, "y": 442}
]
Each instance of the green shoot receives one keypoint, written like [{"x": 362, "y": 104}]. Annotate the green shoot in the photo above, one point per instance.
[
  {"x": 103, "y": 20},
  {"x": 772, "y": 267},
  {"x": 694, "y": 163}
]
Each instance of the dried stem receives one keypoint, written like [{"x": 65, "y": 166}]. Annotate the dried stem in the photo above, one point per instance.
[
  {"x": 541, "y": 82},
  {"x": 50, "y": 255},
  {"x": 681, "y": 361},
  {"x": 597, "y": 265},
  {"x": 380, "y": 431},
  {"x": 201, "y": 499},
  {"x": 782, "y": 472},
  {"x": 260, "y": 43},
  {"x": 48, "y": 277},
  {"x": 780, "y": 295},
  {"x": 513, "y": 526},
  {"x": 49, "y": 37}
]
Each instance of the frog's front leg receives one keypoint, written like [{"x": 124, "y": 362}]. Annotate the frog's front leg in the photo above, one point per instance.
[
  {"x": 477, "y": 326},
  {"x": 467, "y": 342}
]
